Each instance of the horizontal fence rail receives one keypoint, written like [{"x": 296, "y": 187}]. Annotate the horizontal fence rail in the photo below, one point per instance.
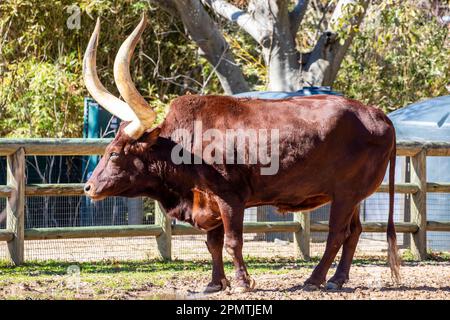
[
  {"x": 183, "y": 229},
  {"x": 54, "y": 147},
  {"x": 77, "y": 189},
  {"x": 93, "y": 232},
  {"x": 86, "y": 147},
  {"x": 16, "y": 190}
]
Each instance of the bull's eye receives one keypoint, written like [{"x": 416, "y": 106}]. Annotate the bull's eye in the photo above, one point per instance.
[{"x": 113, "y": 156}]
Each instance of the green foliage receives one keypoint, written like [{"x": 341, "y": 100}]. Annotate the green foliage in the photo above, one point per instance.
[
  {"x": 249, "y": 56},
  {"x": 41, "y": 86},
  {"x": 342, "y": 26},
  {"x": 400, "y": 56},
  {"x": 41, "y": 99}
]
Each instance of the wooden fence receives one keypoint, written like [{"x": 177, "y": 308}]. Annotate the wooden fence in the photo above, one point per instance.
[{"x": 16, "y": 190}]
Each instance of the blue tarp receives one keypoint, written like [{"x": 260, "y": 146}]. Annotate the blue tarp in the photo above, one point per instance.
[
  {"x": 306, "y": 91},
  {"x": 427, "y": 120}
]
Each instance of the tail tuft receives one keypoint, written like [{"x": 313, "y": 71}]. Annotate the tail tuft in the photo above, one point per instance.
[{"x": 394, "y": 259}]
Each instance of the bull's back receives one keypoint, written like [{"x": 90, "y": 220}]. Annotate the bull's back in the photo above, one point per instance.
[
  {"x": 319, "y": 113},
  {"x": 322, "y": 139}
]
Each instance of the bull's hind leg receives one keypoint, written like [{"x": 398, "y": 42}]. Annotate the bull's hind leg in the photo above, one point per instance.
[
  {"x": 214, "y": 242},
  {"x": 339, "y": 229},
  {"x": 342, "y": 273}
]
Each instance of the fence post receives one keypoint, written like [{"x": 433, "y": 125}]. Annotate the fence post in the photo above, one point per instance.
[
  {"x": 164, "y": 240},
  {"x": 15, "y": 205},
  {"x": 419, "y": 205},
  {"x": 302, "y": 237}
]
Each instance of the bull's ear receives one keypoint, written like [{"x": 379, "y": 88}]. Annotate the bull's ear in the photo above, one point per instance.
[
  {"x": 151, "y": 136},
  {"x": 146, "y": 141}
]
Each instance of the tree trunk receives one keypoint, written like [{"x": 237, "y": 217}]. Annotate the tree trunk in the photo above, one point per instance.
[
  {"x": 273, "y": 27},
  {"x": 202, "y": 29},
  {"x": 280, "y": 54}
]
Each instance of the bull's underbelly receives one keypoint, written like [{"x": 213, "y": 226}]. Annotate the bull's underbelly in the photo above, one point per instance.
[
  {"x": 205, "y": 211},
  {"x": 295, "y": 203},
  {"x": 206, "y": 215},
  {"x": 205, "y": 219}
]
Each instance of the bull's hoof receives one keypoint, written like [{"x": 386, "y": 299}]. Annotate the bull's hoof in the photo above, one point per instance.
[
  {"x": 313, "y": 284},
  {"x": 310, "y": 287},
  {"x": 212, "y": 288},
  {"x": 245, "y": 288},
  {"x": 333, "y": 286}
]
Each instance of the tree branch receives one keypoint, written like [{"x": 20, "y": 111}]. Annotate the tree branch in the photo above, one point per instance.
[
  {"x": 326, "y": 58},
  {"x": 241, "y": 18},
  {"x": 278, "y": 47},
  {"x": 297, "y": 14},
  {"x": 202, "y": 29},
  {"x": 166, "y": 5}
]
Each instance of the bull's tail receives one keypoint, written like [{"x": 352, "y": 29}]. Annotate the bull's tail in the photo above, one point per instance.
[{"x": 393, "y": 258}]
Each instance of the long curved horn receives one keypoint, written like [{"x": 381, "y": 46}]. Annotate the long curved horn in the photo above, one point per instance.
[
  {"x": 145, "y": 114},
  {"x": 114, "y": 105}
]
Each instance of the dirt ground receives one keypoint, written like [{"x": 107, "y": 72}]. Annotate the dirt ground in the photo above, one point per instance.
[
  {"x": 420, "y": 281},
  {"x": 424, "y": 280}
]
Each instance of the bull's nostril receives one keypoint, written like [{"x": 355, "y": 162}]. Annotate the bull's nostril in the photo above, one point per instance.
[{"x": 87, "y": 188}]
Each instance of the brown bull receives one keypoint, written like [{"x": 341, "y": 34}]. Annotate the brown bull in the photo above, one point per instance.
[{"x": 328, "y": 149}]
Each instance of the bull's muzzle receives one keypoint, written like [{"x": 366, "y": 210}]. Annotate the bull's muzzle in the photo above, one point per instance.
[{"x": 89, "y": 189}]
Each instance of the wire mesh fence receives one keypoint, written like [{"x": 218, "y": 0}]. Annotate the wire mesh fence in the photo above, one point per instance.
[{"x": 73, "y": 211}]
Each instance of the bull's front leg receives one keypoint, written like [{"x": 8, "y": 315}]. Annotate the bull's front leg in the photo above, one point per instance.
[
  {"x": 214, "y": 243},
  {"x": 233, "y": 222}
]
